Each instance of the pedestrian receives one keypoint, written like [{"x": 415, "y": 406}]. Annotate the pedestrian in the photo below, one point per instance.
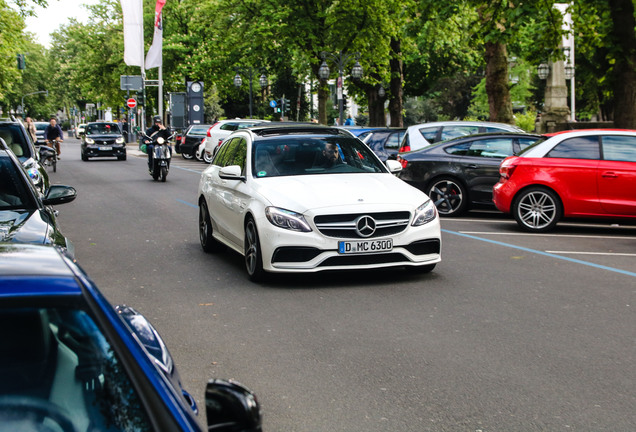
[
  {"x": 349, "y": 121},
  {"x": 30, "y": 127}
]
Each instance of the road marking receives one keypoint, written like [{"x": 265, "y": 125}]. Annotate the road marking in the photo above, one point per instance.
[
  {"x": 547, "y": 235},
  {"x": 593, "y": 253},
  {"x": 538, "y": 252},
  {"x": 187, "y": 203}
]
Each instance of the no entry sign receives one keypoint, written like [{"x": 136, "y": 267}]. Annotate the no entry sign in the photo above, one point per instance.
[{"x": 131, "y": 103}]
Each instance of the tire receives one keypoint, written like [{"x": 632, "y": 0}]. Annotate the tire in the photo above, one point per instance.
[
  {"x": 54, "y": 163},
  {"x": 155, "y": 173},
  {"x": 163, "y": 173},
  {"x": 208, "y": 243},
  {"x": 449, "y": 196},
  {"x": 84, "y": 157},
  {"x": 122, "y": 158},
  {"x": 207, "y": 158},
  {"x": 187, "y": 156},
  {"x": 537, "y": 209},
  {"x": 253, "y": 257}
]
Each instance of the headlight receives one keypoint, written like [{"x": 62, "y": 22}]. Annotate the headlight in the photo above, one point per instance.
[
  {"x": 160, "y": 140},
  {"x": 119, "y": 140},
  {"x": 35, "y": 175},
  {"x": 424, "y": 213},
  {"x": 90, "y": 140},
  {"x": 287, "y": 219}
]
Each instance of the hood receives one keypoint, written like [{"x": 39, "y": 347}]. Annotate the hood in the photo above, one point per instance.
[
  {"x": 107, "y": 137},
  {"x": 25, "y": 226},
  {"x": 372, "y": 192}
]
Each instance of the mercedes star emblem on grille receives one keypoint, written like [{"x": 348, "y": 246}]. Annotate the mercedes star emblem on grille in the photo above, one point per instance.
[{"x": 365, "y": 226}]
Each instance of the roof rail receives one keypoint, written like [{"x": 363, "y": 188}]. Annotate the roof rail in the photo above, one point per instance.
[{"x": 309, "y": 128}]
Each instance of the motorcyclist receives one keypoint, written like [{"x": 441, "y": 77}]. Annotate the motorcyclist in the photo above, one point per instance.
[{"x": 155, "y": 131}]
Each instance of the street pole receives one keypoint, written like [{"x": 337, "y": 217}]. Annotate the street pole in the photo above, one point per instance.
[{"x": 341, "y": 61}]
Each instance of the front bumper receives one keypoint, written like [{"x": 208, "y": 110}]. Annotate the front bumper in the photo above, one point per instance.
[
  {"x": 105, "y": 150},
  {"x": 295, "y": 252}
]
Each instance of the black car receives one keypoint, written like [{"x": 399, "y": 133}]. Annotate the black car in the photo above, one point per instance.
[
  {"x": 40, "y": 127},
  {"x": 191, "y": 139},
  {"x": 18, "y": 141},
  {"x": 103, "y": 139},
  {"x": 384, "y": 142},
  {"x": 459, "y": 174},
  {"x": 25, "y": 217}
]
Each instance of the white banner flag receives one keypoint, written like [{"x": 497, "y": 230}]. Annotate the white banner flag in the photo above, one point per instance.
[
  {"x": 133, "y": 32},
  {"x": 154, "y": 57}
]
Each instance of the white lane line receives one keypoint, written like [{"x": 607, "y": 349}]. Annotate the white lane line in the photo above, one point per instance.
[
  {"x": 591, "y": 253},
  {"x": 547, "y": 235}
]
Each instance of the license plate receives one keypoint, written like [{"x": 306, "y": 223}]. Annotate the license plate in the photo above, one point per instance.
[
  {"x": 365, "y": 246},
  {"x": 105, "y": 148}
]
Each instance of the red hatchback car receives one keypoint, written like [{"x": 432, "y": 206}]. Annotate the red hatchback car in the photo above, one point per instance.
[{"x": 580, "y": 173}]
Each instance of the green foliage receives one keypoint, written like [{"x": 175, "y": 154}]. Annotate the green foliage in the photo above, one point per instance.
[{"x": 526, "y": 120}]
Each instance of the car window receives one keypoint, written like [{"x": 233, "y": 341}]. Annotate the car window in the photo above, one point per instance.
[
  {"x": 229, "y": 126},
  {"x": 585, "y": 147},
  {"x": 619, "y": 148},
  {"x": 61, "y": 356},
  {"x": 429, "y": 133},
  {"x": 102, "y": 129},
  {"x": 224, "y": 156},
  {"x": 246, "y": 125},
  {"x": 198, "y": 130},
  {"x": 15, "y": 140},
  {"x": 526, "y": 142},
  {"x": 304, "y": 155},
  {"x": 239, "y": 154},
  {"x": 393, "y": 141},
  {"x": 363, "y": 135},
  {"x": 490, "y": 148},
  {"x": 41, "y": 126},
  {"x": 14, "y": 193},
  {"x": 449, "y": 132}
]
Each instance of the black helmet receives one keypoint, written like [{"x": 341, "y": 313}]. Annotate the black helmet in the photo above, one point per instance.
[{"x": 156, "y": 119}]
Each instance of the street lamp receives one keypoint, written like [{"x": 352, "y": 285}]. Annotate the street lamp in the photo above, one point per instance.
[
  {"x": 29, "y": 94},
  {"x": 341, "y": 61},
  {"x": 543, "y": 71},
  {"x": 569, "y": 72},
  {"x": 238, "y": 81}
]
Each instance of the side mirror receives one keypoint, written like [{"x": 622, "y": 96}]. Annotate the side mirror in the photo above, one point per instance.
[
  {"x": 230, "y": 406},
  {"x": 59, "y": 194},
  {"x": 393, "y": 166},
  {"x": 232, "y": 172}
]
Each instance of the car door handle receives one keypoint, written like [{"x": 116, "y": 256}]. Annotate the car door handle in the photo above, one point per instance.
[
  {"x": 472, "y": 166},
  {"x": 609, "y": 174}
]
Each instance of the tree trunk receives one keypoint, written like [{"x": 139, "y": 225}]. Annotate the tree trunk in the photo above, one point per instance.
[
  {"x": 376, "y": 108},
  {"x": 323, "y": 96},
  {"x": 497, "y": 83},
  {"x": 622, "y": 12},
  {"x": 396, "y": 103}
]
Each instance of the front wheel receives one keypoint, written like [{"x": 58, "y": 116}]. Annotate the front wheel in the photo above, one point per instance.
[
  {"x": 253, "y": 258},
  {"x": 208, "y": 243},
  {"x": 449, "y": 196},
  {"x": 537, "y": 209},
  {"x": 163, "y": 173}
]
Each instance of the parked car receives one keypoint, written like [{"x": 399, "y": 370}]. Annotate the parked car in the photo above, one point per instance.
[
  {"x": 18, "y": 141},
  {"x": 421, "y": 135},
  {"x": 221, "y": 130},
  {"x": 72, "y": 362},
  {"x": 459, "y": 174},
  {"x": 358, "y": 130},
  {"x": 40, "y": 127},
  {"x": 384, "y": 142},
  {"x": 303, "y": 199},
  {"x": 103, "y": 139},
  {"x": 191, "y": 139},
  {"x": 25, "y": 215},
  {"x": 79, "y": 130},
  {"x": 572, "y": 174}
]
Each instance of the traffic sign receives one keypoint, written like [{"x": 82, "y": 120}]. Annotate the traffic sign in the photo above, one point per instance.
[
  {"x": 272, "y": 104},
  {"x": 131, "y": 103}
]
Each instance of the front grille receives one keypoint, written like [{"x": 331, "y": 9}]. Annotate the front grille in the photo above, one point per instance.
[
  {"x": 424, "y": 247},
  {"x": 357, "y": 260},
  {"x": 295, "y": 254},
  {"x": 344, "y": 225},
  {"x": 105, "y": 141}
]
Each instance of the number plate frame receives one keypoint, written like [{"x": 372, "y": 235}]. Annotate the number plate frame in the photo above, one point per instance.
[{"x": 362, "y": 247}]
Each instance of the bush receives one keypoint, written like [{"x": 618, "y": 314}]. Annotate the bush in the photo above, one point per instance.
[{"x": 526, "y": 121}]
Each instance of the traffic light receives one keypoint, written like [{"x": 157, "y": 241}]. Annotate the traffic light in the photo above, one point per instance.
[
  {"x": 287, "y": 105},
  {"x": 140, "y": 98},
  {"x": 21, "y": 62}
]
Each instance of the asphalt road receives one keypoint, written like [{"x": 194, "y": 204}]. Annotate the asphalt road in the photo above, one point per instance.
[{"x": 510, "y": 332}]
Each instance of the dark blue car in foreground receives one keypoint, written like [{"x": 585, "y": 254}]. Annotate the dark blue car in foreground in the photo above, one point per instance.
[{"x": 69, "y": 361}]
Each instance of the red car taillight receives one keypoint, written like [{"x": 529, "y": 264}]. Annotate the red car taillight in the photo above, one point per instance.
[
  {"x": 211, "y": 128},
  {"x": 402, "y": 161},
  {"x": 507, "y": 167},
  {"x": 404, "y": 149}
]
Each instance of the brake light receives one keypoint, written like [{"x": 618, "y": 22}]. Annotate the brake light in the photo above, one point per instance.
[
  {"x": 210, "y": 128},
  {"x": 405, "y": 148},
  {"x": 402, "y": 161},
  {"x": 508, "y": 167}
]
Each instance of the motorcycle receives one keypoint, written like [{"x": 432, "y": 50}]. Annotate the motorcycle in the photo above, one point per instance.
[
  {"x": 159, "y": 165},
  {"x": 48, "y": 154}
]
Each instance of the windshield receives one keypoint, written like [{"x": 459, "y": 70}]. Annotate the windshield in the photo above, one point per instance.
[
  {"x": 60, "y": 358},
  {"x": 102, "y": 129},
  {"x": 14, "y": 194},
  {"x": 308, "y": 155}
]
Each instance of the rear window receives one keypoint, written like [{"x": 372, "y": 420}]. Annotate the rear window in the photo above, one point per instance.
[
  {"x": 619, "y": 148},
  {"x": 199, "y": 130}
]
